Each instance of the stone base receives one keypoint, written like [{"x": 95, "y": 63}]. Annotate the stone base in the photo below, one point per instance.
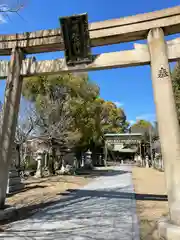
[
  {"x": 38, "y": 174},
  {"x": 14, "y": 188},
  {"x": 14, "y": 182},
  {"x": 167, "y": 230}
]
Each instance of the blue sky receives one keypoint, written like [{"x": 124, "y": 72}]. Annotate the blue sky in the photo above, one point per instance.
[{"x": 130, "y": 88}]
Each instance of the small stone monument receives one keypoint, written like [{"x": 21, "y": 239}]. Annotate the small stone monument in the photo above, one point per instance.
[
  {"x": 147, "y": 161},
  {"x": 39, "y": 160},
  {"x": 14, "y": 180}
]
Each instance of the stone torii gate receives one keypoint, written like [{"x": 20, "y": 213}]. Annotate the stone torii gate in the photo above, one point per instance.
[{"x": 151, "y": 26}]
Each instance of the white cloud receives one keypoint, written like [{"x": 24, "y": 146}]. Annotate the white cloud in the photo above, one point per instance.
[
  {"x": 4, "y": 16},
  {"x": 151, "y": 117},
  {"x": 118, "y": 104},
  {"x": 131, "y": 122},
  {"x": 2, "y": 19}
]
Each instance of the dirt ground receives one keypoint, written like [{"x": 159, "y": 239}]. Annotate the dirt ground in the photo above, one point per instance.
[
  {"x": 149, "y": 183},
  {"x": 42, "y": 190}
]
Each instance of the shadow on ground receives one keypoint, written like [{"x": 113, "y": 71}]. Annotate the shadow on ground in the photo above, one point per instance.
[
  {"x": 100, "y": 172},
  {"x": 78, "y": 214},
  {"x": 81, "y": 173},
  {"x": 27, "y": 188},
  {"x": 73, "y": 196},
  {"x": 104, "y": 210}
]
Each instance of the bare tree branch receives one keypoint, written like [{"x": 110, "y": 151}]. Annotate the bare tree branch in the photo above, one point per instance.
[{"x": 26, "y": 126}]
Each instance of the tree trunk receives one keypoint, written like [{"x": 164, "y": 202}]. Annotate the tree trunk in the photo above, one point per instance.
[{"x": 10, "y": 115}]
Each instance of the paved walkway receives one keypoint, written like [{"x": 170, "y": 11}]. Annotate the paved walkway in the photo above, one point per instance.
[{"x": 104, "y": 209}]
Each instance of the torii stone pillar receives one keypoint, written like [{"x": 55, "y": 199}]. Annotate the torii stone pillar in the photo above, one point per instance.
[
  {"x": 10, "y": 115},
  {"x": 169, "y": 130}
]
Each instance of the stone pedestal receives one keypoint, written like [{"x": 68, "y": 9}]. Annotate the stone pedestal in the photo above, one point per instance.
[
  {"x": 167, "y": 230},
  {"x": 14, "y": 182}
]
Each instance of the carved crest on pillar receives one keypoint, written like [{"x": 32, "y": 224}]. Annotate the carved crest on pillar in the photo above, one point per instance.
[{"x": 163, "y": 73}]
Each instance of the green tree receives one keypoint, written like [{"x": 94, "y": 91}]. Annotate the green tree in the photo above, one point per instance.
[
  {"x": 112, "y": 119},
  {"x": 176, "y": 87},
  {"x": 148, "y": 131},
  {"x": 70, "y": 108},
  {"x": 144, "y": 127},
  {"x": 141, "y": 126},
  {"x": 64, "y": 103}
]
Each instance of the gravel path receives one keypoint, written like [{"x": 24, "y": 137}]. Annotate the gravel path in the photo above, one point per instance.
[{"x": 103, "y": 209}]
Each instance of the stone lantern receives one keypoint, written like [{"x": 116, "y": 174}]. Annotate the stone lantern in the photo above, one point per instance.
[{"x": 88, "y": 159}]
